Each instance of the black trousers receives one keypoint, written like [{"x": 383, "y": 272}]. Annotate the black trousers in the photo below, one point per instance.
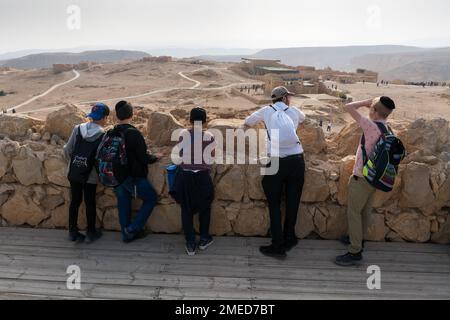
[
  {"x": 78, "y": 190},
  {"x": 195, "y": 194},
  {"x": 291, "y": 177}
]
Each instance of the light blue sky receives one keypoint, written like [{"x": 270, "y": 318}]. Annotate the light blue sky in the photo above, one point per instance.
[{"x": 26, "y": 24}]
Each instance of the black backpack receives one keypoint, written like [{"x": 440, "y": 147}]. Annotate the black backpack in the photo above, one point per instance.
[
  {"x": 83, "y": 158},
  {"x": 112, "y": 162},
  {"x": 381, "y": 167}
]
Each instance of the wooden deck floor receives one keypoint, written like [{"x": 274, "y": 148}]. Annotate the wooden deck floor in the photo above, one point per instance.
[{"x": 33, "y": 264}]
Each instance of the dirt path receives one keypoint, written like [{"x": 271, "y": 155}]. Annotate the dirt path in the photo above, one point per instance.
[
  {"x": 77, "y": 75},
  {"x": 195, "y": 86},
  {"x": 181, "y": 74}
]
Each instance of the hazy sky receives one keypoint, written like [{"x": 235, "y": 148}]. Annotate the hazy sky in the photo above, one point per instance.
[{"x": 43, "y": 24}]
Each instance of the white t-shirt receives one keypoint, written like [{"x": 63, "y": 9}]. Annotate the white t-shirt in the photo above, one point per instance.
[{"x": 264, "y": 114}]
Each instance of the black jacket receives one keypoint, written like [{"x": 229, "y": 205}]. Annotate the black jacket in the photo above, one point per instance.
[
  {"x": 136, "y": 148},
  {"x": 194, "y": 191}
]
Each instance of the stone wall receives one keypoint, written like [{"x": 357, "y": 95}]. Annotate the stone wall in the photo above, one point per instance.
[
  {"x": 34, "y": 190},
  {"x": 253, "y": 99},
  {"x": 163, "y": 59}
]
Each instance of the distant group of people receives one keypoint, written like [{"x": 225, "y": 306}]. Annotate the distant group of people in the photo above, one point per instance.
[
  {"x": 429, "y": 84},
  {"x": 421, "y": 83},
  {"x": 329, "y": 129},
  {"x": 255, "y": 88},
  {"x": 119, "y": 159}
]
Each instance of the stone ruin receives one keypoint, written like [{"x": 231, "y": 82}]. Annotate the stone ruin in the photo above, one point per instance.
[
  {"x": 61, "y": 67},
  {"x": 160, "y": 59},
  {"x": 34, "y": 190}
]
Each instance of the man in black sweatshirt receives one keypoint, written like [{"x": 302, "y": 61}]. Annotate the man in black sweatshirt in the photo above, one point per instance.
[{"x": 137, "y": 184}]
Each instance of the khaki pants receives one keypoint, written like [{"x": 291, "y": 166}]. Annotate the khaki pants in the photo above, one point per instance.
[{"x": 360, "y": 201}]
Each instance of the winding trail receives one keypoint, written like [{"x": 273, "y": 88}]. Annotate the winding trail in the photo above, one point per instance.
[
  {"x": 77, "y": 75},
  {"x": 181, "y": 74},
  {"x": 197, "y": 83}
]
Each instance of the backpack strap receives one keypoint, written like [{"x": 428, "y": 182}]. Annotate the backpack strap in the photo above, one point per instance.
[
  {"x": 384, "y": 132},
  {"x": 79, "y": 132},
  {"x": 363, "y": 148},
  {"x": 267, "y": 129},
  {"x": 78, "y": 137}
]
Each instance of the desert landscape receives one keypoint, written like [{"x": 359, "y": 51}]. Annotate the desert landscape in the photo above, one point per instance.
[
  {"x": 164, "y": 93},
  {"x": 209, "y": 86},
  {"x": 153, "y": 85}
]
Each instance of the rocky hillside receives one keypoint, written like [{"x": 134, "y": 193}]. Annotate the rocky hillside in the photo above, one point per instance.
[
  {"x": 46, "y": 60},
  {"x": 34, "y": 189},
  {"x": 392, "y": 62},
  {"x": 338, "y": 58},
  {"x": 429, "y": 65}
]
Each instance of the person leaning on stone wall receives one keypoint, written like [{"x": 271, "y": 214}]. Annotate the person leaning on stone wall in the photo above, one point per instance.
[
  {"x": 136, "y": 183},
  {"x": 360, "y": 193},
  {"x": 80, "y": 150},
  {"x": 193, "y": 187},
  {"x": 285, "y": 119}
]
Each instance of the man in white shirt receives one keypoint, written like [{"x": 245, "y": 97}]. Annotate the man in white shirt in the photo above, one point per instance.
[{"x": 290, "y": 174}]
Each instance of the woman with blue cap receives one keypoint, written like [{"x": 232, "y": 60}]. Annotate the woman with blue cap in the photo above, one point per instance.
[{"x": 81, "y": 150}]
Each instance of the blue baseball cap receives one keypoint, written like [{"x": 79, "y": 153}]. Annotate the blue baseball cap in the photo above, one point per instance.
[{"x": 98, "y": 111}]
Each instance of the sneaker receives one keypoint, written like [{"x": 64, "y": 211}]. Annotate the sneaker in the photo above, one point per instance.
[
  {"x": 273, "y": 252},
  {"x": 190, "y": 249},
  {"x": 93, "y": 236},
  {"x": 130, "y": 237},
  {"x": 346, "y": 240},
  {"x": 348, "y": 259},
  {"x": 289, "y": 245},
  {"x": 76, "y": 237},
  {"x": 204, "y": 244}
]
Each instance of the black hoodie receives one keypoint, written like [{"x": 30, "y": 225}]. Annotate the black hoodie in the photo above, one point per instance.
[{"x": 136, "y": 148}]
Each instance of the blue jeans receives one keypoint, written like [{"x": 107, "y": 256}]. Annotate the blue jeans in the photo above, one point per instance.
[{"x": 130, "y": 188}]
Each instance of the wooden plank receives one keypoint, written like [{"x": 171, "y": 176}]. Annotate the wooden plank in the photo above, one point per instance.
[
  {"x": 352, "y": 285},
  {"x": 197, "y": 266},
  {"x": 131, "y": 278},
  {"x": 33, "y": 264},
  {"x": 434, "y": 262},
  {"x": 58, "y": 289},
  {"x": 144, "y": 269},
  {"x": 59, "y": 236}
]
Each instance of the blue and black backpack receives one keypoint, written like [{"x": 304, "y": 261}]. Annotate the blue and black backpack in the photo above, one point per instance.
[
  {"x": 381, "y": 167},
  {"x": 112, "y": 162}
]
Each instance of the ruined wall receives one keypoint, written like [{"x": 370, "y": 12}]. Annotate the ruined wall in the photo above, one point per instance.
[
  {"x": 60, "y": 67},
  {"x": 250, "y": 98},
  {"x": 34, "y": 190},
  {"x": 161, "y": 59}
]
